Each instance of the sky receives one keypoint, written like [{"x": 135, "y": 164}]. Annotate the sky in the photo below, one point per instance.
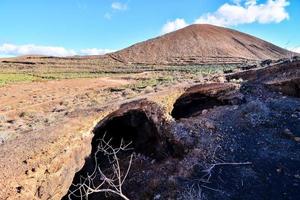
[{"x": 95, "y": 27}]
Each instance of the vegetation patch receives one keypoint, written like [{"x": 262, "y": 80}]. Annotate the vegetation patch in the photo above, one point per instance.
[{"x": 16, "y": 78}]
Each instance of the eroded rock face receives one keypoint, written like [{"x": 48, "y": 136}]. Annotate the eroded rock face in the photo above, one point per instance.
[
  {"x": 42, "y": 166},
  {"x": 274, "y": 72},
  {"x": 281, "y": 77},
  {"x": 289, "y": 87}
]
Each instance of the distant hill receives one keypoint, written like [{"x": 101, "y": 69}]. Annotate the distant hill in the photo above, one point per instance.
[{"x": 200, "y": 44}]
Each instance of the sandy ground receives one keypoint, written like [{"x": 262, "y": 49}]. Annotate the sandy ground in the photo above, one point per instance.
[
  {"x": 31, "y": 106},
  {"x": 20, "y": 97}
]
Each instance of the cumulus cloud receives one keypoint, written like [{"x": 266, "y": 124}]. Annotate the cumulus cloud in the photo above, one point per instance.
[
  {"x": 247, "y": 12},
  {"x": 119, "y": 6},
  {"x": 238, "y": 12},
  {"x": 94, "y": 51},
  {"x": 31, "y": 49},
  {"x": 173, "y": 25},
  {"x": 115, "y": 7}
]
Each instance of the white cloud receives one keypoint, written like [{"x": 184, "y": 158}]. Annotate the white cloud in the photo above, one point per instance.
[
  {"x": 238, "y": 12},
  {"x": 296, "y": 49},
  {"x": 173, "y": 25},
  {"x": 115, "y": 6},
  {"x": 31, "y": 49},
  {"x": 119, "y": 6},
  {"x": 94, "y": 51},
  {"x": 247, "y": 12}
]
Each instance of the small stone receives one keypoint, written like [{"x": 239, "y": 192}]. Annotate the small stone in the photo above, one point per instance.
[
  {"x": 297, "y": 176},
  {"x": 240, "y": 80},
  {"x": 149, "y": 89},
  {"x": 279, "y": 170},
  {"x": 59, "y": 109},
  {"x": 197, "y": 151},
  {"x": 204, "y": 111},
  {"x": 222, "y": 79},
  {"x": 235, "y": 107},
  {"x": 157, "y": 197},
  {"x": 287, "y": 132},
  {"x": 297, "y": 139},
  {"x": 128, "y": 92},
  {"x": 172, "y": 180},
  {"x": 210, "y": 125}
]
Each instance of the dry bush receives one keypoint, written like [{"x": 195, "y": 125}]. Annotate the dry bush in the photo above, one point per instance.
[
  {"x": 192, "y": 193},
  {"x": 109, "y": 181},
  {"x": 216, "y": 162}
]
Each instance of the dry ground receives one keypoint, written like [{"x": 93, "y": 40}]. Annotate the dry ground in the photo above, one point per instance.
[
  {"x": 29, "y": 106},
  {"x": 45, "y": 121},
  {"x": 38, "y": 91}
]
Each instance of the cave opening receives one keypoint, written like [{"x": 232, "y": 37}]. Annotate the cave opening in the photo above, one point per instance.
[
  {"x": 134, "y": 127},
  {"x": 190, "y": 105},
  {"x": 288, "y": 87}
]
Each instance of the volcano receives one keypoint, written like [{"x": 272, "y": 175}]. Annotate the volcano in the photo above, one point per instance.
[{"x": 200, "y": 44}]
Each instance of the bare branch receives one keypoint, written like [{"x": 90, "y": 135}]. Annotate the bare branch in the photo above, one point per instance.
[{"x": 108, "y": 181}]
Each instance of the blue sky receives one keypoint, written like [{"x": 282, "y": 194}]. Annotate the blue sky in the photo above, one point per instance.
[{"x": 68, "y": 27}]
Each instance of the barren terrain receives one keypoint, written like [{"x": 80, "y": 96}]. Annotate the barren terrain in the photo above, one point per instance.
[{"x": 195, "y": 128}]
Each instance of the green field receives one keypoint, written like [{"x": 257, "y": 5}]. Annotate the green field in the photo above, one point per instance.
[{"x": 159, "y": 74}]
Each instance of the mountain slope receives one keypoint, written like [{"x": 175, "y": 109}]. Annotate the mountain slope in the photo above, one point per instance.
[{"x": 200, "y": 44}]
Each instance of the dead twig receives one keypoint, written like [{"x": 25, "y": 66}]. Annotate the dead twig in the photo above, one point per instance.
[
  {"x": 109, "y": 181},
  {"x": 205, "y": 179}
]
